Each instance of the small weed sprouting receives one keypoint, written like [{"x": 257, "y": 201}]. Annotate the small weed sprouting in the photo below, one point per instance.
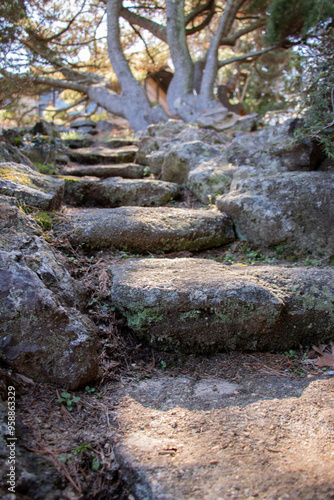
[
  {"x": 299, "y": 371},
  {"x": 89, "y": 390},
  {"x": 46, "y": 169},
  {"x": 83, "y": 453},
  {"x": 67, "y": 399},
  {"x": 291, "y": 354},
  {"x": 44, "y": 220},
  {"x": 163, "y": 364},
  {"x": 71, "y": 135}
]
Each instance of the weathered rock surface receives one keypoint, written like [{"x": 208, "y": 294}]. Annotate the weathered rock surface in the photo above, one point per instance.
[
  {"x": 125, "y": 170},
  {"x": 147, "y": 229},
  {"x": 146, "y": 146},
  {"x": 116, "y": 192},
  {"x": 115, "y": 143},
  {"x": 172, "y": 446},
  {"x": 101, "y": 154},
  {"x": 220, "y": 119},
  {"x": 42, "y": 333},
  {"x": 163, "y": 139},
  {"x": 181, "y": 158},
  {"x": 166, "y": 132},
  {"x": 211, "y": 179},
  {"x": 197, "y": 305},
  {"x": 9, "y": 153},
  {"x": 274, "y": 149},
  {"x": 30, "y": 187},
  {"x": 294, "y": 208}
]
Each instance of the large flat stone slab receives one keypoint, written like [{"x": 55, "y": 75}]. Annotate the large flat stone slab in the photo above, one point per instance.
[
  {"x": 147, "y": 229},
  {"x": 103, "y": 154},
  {"x": 30, "y": 187},
  {"x": 198, "y": 305},
  {"x": 117, "y": 192},
  {"x": 172, "y": 447},
  {"x": 292, "y": 208},
  {"x": 125, "y": 170}
]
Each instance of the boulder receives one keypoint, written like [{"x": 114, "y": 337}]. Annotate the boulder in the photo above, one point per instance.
[
  {"x": 125, "y": 170},
  {"x": 201, "y": 306},
  {"x": 275, "y": 149},
  {"x": 166, "y": 132},
  {"x": 10, "y": 154},
  {"x": 219, "y": 119},
  {"x": 30, "y": 187},
  {"x": 208, "y": 136},
  {"x": 183, "y": 157},
  {"x": 43, "y": 335},
  {"x": 211, "y": 179},
  {"x": 101, "y": 154},
  {"x": 146, "y": 146},
  {"x": 45, "y": 128},
  {"x": 155, "y": 161},
  {"x": 293, "y": 208},
  {"x": 117, "y": 192},
  {"x": 146, "y": 229}
]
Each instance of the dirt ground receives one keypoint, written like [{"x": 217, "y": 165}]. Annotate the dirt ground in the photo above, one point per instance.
[
  {"x": 165, "y": 426},
  {"x": 237, "y": 426}
]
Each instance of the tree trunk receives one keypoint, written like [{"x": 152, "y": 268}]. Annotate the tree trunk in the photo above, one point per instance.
[
  {"x": 133, "y": 104},
  {"x": 180, "y": 95}
]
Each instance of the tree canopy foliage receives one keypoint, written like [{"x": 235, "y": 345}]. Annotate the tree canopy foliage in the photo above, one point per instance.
[{"x": 65, "y": 45}]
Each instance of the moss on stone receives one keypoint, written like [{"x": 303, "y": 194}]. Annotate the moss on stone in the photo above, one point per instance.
[
  {"x": 144, "y": 317},
  {"x": 10, "y": 175}
]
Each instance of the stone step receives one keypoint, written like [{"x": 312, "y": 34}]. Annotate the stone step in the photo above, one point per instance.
[
  {"x": 146, "y": 229},
  {"x": 101, "y": 154},
  {"x": 201, "y": 306},
  {"x": 119, "y": 143},
  {"x": 125, "y": 170},
  {"x": 194, "y": 438},
  {"x": 117, "y": 192}
]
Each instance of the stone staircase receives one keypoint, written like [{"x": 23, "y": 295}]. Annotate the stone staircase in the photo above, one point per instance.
[
  {"x": 193, "y": 305},
  {"x": 178, "y": 437}
]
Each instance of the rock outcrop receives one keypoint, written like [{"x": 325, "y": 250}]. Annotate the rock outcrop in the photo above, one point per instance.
[
  {"x": 30, "y": 187},
  {"x": 43, "y": 334},
  {"x": 293, "y": 208},
  {"x": 275, "y": 149}
]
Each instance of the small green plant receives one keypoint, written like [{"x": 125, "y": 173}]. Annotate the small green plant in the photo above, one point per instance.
[
  {"x": 95, "y": 464},
  {"x": 47, "y": 169},
  {"x": 93, "y": 301},
  {"x": 291, "y": 354},
  {"x": 44, "y": 219},
  {"x": 89, "y": 390},
  {"x": 82, "y": 452},
  {"x": 67, "y": 399},
  {"x": 71, "y": 135},
  {"x": 163, "y": 364},
  {"x": 299, "y": 371}
]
